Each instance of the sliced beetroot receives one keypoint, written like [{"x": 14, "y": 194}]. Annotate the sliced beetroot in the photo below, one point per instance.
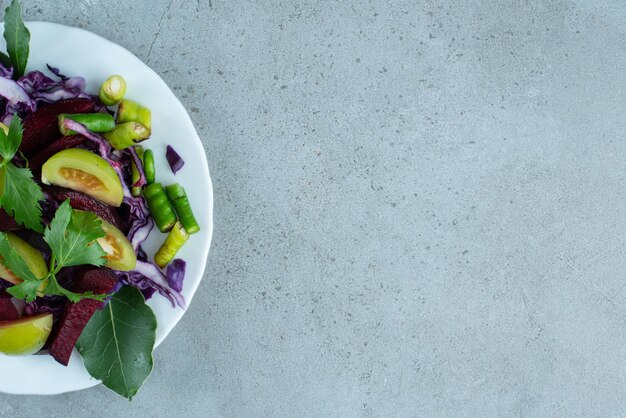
[
  {"x": 41, "y": 128},
  {"x": 76, "y": 315},
  {"x": 8, "y": 311},
  {"x": 7, "y": 223},
  {"x": 61, "y": 144},
  {"x": 95, "y": 279},
  {"x": 81, "y": 201}
]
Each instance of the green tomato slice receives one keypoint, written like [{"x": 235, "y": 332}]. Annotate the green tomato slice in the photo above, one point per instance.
[
  {"x": 120, "y": 253},
  {"x": 25, "y": 336},
  {"x": 86, "y": 172}
]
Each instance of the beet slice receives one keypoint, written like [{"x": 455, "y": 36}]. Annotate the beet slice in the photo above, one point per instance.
[
  {"x": 76, "y": 315},
  {"x": 8, "y": 311},
  {"x": 7, "y": 223},
  {"x": 61, "y": 144},
  {"x": 81, "y": 201},
  {"x": 41, "y": 127}
]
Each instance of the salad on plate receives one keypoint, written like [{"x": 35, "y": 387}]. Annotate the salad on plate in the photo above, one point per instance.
[{"x": 79, "y": 195}]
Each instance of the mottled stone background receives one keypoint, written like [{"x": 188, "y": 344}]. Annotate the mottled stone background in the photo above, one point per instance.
[{"x": 419, "y": 207}]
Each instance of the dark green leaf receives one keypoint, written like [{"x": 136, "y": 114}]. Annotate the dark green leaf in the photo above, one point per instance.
[
  {"x": 117, "y": 343},
  {"x": 21, "y": 197},
  {"x": 71, "y": 236},
  {"x": 17, "y": 38}
]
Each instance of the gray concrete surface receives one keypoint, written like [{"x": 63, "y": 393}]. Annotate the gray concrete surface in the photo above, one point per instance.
[{"x": 420, "y": 207}]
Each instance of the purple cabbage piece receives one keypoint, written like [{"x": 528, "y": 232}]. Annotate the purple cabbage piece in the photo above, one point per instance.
[
  {"x": 176, "y": 274},
  {"x": 141, "y": 221},
  {"x": 17, "y": 98},
  {"x": 46, "y": 304},
  {"x": 104, "y": 148},
  {"x": 28, "y": 91},
  {"x": 139, "y": 165},
  {"x": 147, "y": 292},
  {"x": 57, "y": 72},
  {"x": 77, "y": 84},
  {"x": 147, "y": 275},
  {"x": 139, "y": 281},
  {"x": 44, "y": 89},
  {"x": 173, "y": 159},
  {"x": 6, "y": 72}
]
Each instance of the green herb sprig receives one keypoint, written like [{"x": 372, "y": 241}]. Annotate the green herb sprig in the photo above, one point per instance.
[
  {"x": 20, "y": 195},
  {"x": 72, "y": 238}
]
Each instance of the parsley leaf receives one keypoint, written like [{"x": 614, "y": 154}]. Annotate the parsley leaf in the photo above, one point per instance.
[
  {"x": 10, "y": 142},
  {"x": 27, "y": 290},
  {"x": 21, "y": 197},
  {"x": 72, "y": 237},
  {"x": 17, "y": 38}
]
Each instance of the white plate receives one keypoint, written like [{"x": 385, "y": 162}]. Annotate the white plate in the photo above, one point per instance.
[{"x": 78, "y": 52}]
